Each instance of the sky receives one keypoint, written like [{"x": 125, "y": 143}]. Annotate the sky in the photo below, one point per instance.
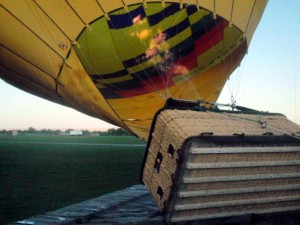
[
  {"x": 268, "y": 79},
  {"x": 269, "y": 76}
]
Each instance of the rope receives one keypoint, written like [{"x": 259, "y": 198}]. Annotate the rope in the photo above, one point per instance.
[
  {"x": 259, "y": 121},
  {"x": 147, "y": 81},
  {"x": 152, "y": 84},
  {"x": 216, "y": 53},
  {"x": 168, "y": 73},
  {"x": 264, "y": 124},
  {"x": 234, "y": 82}
]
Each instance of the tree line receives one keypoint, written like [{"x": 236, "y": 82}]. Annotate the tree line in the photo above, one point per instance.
[{"x": 33, "y": 131}]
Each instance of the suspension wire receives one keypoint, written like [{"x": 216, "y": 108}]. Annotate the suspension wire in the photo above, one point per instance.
[
  {"x": 243, "y": 66},
  {"x": 149, "y": 80},
  {"x": 240, "y": 76},
  {"x": 164, "y": 75},
  {"x": 236, "y": 78},
  {"x": 222, "y": 58},
  {"x": 236, "y": 82},
  {"x": 186, "y": 81},
  {"x": 159, "y": 71},
  {"x": 96, "y": 72},
  {"x": 146, "y": 81},
  {"x": 237, "y": 71},
  {"x": 295, "y": 98},
  {"x": 210, "y": 40},
  {"x": 264, "y": 124},
  {"x": 155, "y": 89},
  {"x": 230, "y": 26},
  {"x": 232, "y": 99},
  {"x": 260, "y": 120},
  {"x": 172, "y": 60},
  {"x": 112, "y": 84},
  {"x": 221, "y": 69},
  {"x": 232, "y": 82}
]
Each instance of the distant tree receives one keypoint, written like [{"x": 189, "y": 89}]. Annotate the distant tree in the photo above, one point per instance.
[
  {"x": 85, "y": 132},
  {"x": 31, "y": 130},
  {"x": 44, "y": 131},
  {"x": 117, "y": 132},
  {"x": 102, "y": 133},
  {"x": 68, "y": 130},
  {"x": 48, "y": 132},
  {"x": 57, "y": 132}
]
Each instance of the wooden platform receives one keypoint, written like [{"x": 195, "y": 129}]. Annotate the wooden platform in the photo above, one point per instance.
[
  {"x": 134, "y": 205},
  {"x": 130, "y": 205}
]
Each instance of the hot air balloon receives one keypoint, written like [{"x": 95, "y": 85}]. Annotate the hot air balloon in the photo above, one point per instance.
[{"x": 120, "y": 60}]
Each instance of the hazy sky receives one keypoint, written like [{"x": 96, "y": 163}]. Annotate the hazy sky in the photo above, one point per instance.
[{"x": 268, "y": 79}]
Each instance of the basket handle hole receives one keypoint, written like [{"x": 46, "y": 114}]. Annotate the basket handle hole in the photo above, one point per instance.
[
  {"x": 158, "y": 160},
  {"x": 160, "y": 192},
  {"x": 171, "y": 150}
]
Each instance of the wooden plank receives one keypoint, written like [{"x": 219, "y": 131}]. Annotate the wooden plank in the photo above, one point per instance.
[
  {"x": 177, "y": 219},
  {"x": 241, "y": 164},
  {"x": 236, "y": 203},
  {"x": 235, "y": 150},
  {"x": 188, "y": 194},
  {"x": 192, "y": 180}
]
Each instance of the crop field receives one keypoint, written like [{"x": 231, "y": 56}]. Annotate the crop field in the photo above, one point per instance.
[{"x": 43, "y": 173}]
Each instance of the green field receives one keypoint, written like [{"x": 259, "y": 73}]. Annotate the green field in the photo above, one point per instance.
[{"x": 43, "y": 173}]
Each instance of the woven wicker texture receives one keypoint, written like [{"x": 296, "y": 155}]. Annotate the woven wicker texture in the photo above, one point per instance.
[{"x": 248, "y": 181}]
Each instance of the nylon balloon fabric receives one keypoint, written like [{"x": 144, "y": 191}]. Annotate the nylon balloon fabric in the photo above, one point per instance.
[{"x": 121, "y": 61}]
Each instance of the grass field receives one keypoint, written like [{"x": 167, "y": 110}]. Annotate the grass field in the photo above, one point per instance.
[{"x": 43, "y": 173}]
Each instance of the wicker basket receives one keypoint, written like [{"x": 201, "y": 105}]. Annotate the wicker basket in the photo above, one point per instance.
[{"x": 202, "y": 165}]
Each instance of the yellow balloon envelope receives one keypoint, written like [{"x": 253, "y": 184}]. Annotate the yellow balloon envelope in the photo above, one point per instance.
[{"x": 120, "y": 60}]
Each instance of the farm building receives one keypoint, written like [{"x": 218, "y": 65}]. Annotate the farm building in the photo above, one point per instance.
[{"x": 75, "y": 133}]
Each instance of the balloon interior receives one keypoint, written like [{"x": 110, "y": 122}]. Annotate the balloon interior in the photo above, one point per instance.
[{"x": 123, "y": 60}]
